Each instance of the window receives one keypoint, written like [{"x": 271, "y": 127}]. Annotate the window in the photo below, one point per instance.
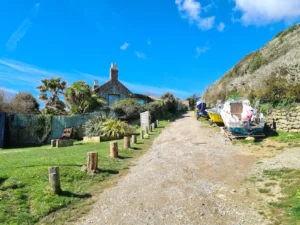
[{"x": 112, "y": 99}]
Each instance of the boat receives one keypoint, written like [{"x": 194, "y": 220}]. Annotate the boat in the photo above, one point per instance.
[
  {"x": 215, "y": 113},
  {"x": 240, "y": 118}
]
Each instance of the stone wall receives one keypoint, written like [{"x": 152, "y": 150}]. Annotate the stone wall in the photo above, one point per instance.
[{"x": 287, "y": 120}]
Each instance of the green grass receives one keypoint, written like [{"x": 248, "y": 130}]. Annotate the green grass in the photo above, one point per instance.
[
  {"x": 287, "y": 209},
  {"x": 263, "y": 190},
  {"x": 285, "y": 137},
  {"x": 24, "y": 193}
]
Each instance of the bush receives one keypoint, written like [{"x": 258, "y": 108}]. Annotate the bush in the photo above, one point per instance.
[
  {"x": 256, "y": 61},
  {"x": 170, "y": 102},
  {"x": 155, "y": 108},
  {"x": 93, "y": 127},
  {"x": 116, "y": 128},
  {"x": 128, "y": 108}
]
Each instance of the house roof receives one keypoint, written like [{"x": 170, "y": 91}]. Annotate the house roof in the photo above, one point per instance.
[{"x": 113, "y": 87}]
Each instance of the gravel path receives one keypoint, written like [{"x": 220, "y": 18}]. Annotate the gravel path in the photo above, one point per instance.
[{"x": 191, "y": 175}]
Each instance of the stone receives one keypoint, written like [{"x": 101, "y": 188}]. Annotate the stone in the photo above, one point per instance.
[
  {"x": 64, "y": 142},
  {"x": 250, "y": 139},
  {"x": 92, "y": 139}
]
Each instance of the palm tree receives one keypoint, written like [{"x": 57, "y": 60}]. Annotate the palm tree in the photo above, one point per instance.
[
  {"x": 49, "y": 94},
  {"x": 81, "y": 99}
]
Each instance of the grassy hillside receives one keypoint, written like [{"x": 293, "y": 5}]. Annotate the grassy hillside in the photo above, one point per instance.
[{"x": 271, "y": 74}]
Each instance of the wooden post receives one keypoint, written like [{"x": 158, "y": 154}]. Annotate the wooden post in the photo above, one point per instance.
[
  {"x": 133, "y": 139},
  {"x": 157, "y": 123},
  {"x": 150, "y": 128},
  {"x": 126, "y": 142},
  {"x": 142, "y": 133},
  {"x": 153, "y": 126},
  {"x": 54, "y": 179},
  {"x": 113, "y": 149},
  {"x": 146, "y": 130},
  {"x": 92, "y": 161}
]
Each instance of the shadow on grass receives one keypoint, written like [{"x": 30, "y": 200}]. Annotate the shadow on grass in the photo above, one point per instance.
[
  {"x": 124, "y": 157},
  {"x": 109, "y": 171},
  {"x": 271, "y": 133},
  {"x": 2, "y": 180},
  {"x": 28, "y": 166},
  {"x": 141, "y": 143},
  {"x": 135, "y": 148},
  {"x": 73, "y": 195}
]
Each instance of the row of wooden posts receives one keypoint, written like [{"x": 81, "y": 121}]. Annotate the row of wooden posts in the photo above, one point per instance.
[{"x": 92, "y": 157}]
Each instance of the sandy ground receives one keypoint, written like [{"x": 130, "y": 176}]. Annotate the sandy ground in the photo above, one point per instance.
[{"x": 191, "y": 175}]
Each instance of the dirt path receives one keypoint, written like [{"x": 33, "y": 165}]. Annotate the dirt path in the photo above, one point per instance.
[{"x": 191, "y": 175}]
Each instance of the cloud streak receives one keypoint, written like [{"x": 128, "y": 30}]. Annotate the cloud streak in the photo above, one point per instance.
[
  {"x": 140, "y": 55},
  {"x": 263, "y": 12},
  {"x": 18, "y": 35},
  {"x": 201, "y": 50},
  {"x": 20, "y": 32},
  {"x": 221, "y": 27},
  {"x": 191, "y": 10},
  {"x": 124, "y": 46}
]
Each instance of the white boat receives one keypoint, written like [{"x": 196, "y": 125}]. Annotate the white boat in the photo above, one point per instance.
[{"x": 236, "y": 113}]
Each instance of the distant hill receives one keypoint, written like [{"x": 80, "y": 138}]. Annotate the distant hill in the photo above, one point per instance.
[{"x": 270, "y": 74}]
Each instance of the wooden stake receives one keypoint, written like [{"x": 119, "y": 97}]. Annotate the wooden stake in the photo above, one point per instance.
[
  {"x": 113, "y": 149},
  {"x": 142, "y": 133},
  {"x": 157, "y": 123},
  {"x": 92, "y": 161},
  {"x": 133, "y": 139},
  {"x": 150, "y": 128},
  {"x": 54, "y": 179},
  {"x": 146, "y": 130},
  {"x": 126, "y": 142}
]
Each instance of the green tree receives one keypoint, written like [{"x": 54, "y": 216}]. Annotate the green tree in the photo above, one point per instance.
[
  {"x": 80, "y": 98},
  {"x": 170, "y": 102},
  {"x": 49, "y": 94},
  {"x": 24, "y": 103},
  {"x": 128, "y": 108}
]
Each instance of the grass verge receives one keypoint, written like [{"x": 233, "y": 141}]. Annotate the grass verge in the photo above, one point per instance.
[
  {"x": 24, "y": 194},
  {"x": 286, "y": 209}
]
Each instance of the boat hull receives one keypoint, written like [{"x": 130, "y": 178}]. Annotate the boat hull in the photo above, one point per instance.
[{"x": 215, "y": 117}]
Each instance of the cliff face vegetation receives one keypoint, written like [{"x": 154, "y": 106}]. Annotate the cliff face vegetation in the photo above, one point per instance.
[{"x": 271, "y": 74}]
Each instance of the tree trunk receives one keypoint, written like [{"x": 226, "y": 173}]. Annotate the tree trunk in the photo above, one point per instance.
[
  {"x": 133, "y": 139},
  {"x": 92, "y": 161},
  {"x": 113, "y": 149},
  {"x": 54, "y": 179},
  {"x": 127, "y": 142}
]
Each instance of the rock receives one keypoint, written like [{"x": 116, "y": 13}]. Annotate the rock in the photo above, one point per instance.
[{"x": 250, "y": 139}]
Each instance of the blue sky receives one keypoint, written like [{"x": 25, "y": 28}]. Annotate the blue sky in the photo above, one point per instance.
[{"x": 159, "y": 45}]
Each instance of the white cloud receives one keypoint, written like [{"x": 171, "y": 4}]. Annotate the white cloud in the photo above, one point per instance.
[
  {"x": 149, "y": 43},
  {"x": 7, "y": 90},
  {"x": 124, "y": 46},
  {"x": 201, "y": 50},
  {"x": 262, "y": 12},
  {"x": 21, "y": 74},
  {"x": 18, "y": 35},
  {"x": 140, "y": 55},
  {"x": 191, "y": 10},
  {"x": 20, "y": 32},
  {"x": 143, "y": 89},
  {"x": 221, "y": 27}
]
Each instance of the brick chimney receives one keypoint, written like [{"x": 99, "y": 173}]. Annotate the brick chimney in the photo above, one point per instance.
[{"x": 114, "y": 72}]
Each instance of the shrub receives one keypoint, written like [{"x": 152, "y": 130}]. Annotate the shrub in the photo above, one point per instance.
[
  {"x": 170, "y": 102},
  {"x": 155, "y": 108},
  {"x": 256, "y": 61},
  {"x": 128, "y": 108},
  {"x": 116, "y": 128},
  {"x": 93, "y": 127}
]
